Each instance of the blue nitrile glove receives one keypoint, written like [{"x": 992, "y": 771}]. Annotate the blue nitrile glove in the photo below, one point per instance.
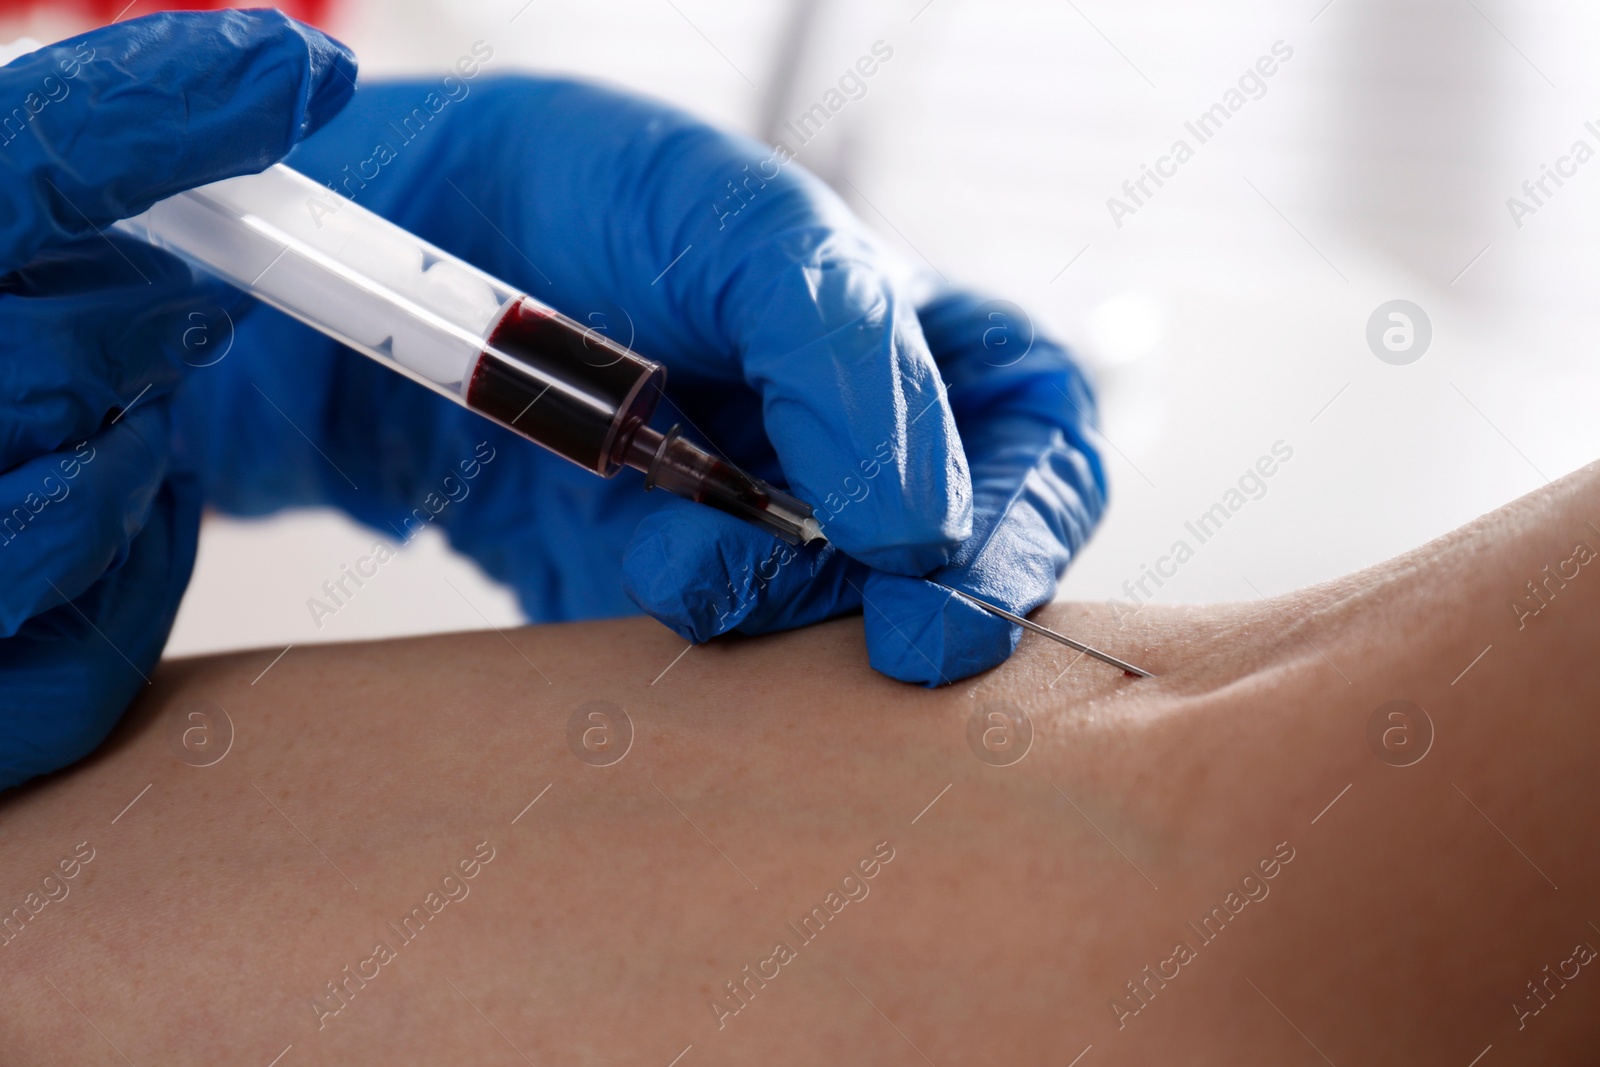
[
  {"x": 97, "y": 529},
  {"x": 791, "y": 348}
]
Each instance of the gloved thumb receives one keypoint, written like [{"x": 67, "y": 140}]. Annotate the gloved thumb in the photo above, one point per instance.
[{"x": 104, "y": 125}]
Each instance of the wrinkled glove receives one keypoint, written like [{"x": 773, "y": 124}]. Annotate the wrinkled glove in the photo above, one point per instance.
[
  {"x": 97, "y": 527},
  {"x": 792, "y": 349}
]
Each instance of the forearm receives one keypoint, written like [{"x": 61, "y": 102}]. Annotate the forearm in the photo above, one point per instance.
[{"x": 1022, "y": 899}]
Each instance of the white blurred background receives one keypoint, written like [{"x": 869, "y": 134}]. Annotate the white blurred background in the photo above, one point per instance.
[{"x": 1228, "y": 313}]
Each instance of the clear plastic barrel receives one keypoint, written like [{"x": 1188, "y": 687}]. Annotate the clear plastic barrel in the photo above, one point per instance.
[{"x": 336, "y": 266}]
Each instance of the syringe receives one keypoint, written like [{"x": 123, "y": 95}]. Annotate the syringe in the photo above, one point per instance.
[
  {"x": 429, "y": 315},
  {"x": 419, "y": 310}
]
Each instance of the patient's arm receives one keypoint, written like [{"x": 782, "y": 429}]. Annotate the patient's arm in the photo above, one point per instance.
[{"x": 994, "y": 914}]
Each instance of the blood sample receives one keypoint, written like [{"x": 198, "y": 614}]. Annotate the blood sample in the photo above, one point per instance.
[{"x": 572, "y": 390}]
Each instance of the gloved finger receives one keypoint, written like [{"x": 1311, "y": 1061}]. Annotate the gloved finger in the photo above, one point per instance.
[
  {"x": 847, "y": 384},
  {"x": 918, "y": 632},
  {"x": 67, "y": 517},
  {"x": 126, "y": 115},
  {"x": 703, "y": 573},
  {"x": 71, "y": 671},
  {"x": 92, "y": 326},
  {"x": 1027, "y": 417}
]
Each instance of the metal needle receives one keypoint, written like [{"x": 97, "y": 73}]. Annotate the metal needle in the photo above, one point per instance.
[{"x": 1045, "y": 631}]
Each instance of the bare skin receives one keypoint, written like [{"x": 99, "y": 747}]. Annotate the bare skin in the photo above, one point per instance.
[{"x": 1407, "y": 909}]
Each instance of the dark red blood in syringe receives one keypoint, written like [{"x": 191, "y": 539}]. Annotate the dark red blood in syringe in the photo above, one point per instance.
[
  {"x": 566, "y": 387},
  {"x": 674, "y": 464},
  {"x": 733, "y": 484},
  {"x": 589, "y": 399}
]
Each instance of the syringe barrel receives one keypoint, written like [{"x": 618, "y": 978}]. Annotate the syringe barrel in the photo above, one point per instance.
[{"x": 427, "y": 314}]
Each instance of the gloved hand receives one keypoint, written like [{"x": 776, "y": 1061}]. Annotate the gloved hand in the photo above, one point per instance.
[
  {"x": 791, "y": 345},
  {"x": 97, "y": 529}
]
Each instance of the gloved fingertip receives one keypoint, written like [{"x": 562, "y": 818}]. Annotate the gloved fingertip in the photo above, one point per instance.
[
  {"x": 917, "y": 632},
  {"x": 676, "y": 568},
  {"x": 332, "y": 79},
  {"x": 909, "y": 559},
  {"x": 903, "y": 529},
  {"x": 72, "y": 670}
]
